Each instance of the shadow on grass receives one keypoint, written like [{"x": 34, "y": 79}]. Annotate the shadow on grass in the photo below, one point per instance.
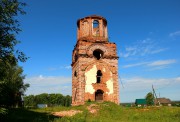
[{"x": 25, "y": 115}]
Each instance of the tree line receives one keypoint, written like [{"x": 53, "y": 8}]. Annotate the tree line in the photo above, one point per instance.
[{"x": 49, "y": 99}]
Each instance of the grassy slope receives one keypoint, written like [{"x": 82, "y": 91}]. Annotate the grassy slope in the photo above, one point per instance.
[{"x": 108, "y": 112}]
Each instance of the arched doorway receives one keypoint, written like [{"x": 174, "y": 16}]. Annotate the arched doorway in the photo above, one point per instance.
[{"x": 99, "y": 95}]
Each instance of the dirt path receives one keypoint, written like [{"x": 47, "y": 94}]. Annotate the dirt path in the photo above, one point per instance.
[{"x": 93, "y": 108}]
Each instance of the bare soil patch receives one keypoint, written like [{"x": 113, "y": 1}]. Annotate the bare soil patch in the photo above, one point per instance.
[
  {"x": 93, "y": 108},
  {"x": 66, "y": 113}
]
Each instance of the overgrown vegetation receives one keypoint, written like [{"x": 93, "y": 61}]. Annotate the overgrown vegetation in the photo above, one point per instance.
[
  {"x": 49, "y": 99},
  {"x": 150, "y": 98},
  {"x": 11, "y": 74},
  {"x": 107, "y": 112}
]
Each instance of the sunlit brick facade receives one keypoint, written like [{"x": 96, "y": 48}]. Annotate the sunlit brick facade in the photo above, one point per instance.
[{"x": 94, "y": 63}]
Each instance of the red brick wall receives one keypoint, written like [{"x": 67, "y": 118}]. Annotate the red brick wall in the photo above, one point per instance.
[{"x": 83, "y": 60}]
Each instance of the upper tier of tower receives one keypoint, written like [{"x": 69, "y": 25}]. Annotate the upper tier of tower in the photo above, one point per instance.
[{"x": 92, "y": 28}]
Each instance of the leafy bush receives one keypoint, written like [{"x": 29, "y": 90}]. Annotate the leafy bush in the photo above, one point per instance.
[{"x": 3, "y": 113}]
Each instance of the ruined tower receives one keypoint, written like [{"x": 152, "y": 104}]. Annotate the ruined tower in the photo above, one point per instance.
[{"x": 94, "y": 63}]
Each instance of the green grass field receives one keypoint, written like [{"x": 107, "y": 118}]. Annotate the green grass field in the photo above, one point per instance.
[{"x": 106, "y": 112}]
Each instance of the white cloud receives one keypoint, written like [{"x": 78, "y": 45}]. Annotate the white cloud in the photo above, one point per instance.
[
  {"x": 177, "y": 33},
  {"x": 159, "y": 64},
  {"x": 158, "y": 50},
  {"x": 59, "y": 68},
  {"x": 158, "y": 67},
  {"x": 141, "y": 48},
  {"x": 147, "y": 40},
  {"x": 140, "y": 83},
  {"x": 67, "y": 67},
  {"x": 162, "y": 62},
  {"x": 48, "y": 84},
  {"x": 130, "y": 48},
  {"x": 134, "y": 65},
  {"x": 137, "y": 87}
]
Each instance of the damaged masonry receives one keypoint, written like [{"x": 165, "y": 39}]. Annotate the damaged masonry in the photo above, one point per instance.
[{"x": 94, "y": 63}]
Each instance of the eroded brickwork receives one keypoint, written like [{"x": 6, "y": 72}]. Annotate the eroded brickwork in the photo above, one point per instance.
[{"x": 94, "y": 63}]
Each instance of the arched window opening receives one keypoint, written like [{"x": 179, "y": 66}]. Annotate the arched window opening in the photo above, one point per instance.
[
  {"x": 98, "y": 76},
  {"x": 75, "y": 74},
  {"x": 98, "y": 54},
  {"x": 99, "y": 95},
  {"x": 95, "y": 24}
]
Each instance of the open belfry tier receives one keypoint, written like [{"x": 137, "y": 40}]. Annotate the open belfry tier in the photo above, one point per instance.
[{"x": 94, "y": 63}]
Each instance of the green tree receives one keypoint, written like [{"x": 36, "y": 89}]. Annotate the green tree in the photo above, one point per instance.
[
  {"x": 42, "y": 98},
  {"x": 30, "y": 101},
  {"x": 150, "y": 98},
  {"x": 50, "y": 99},
  {"x": 67, "y": 100},
  {"x": 9, "y": 28},
  {"x": 11, "y": 84},
  {"x": 60, "y": 100},
  {"x": 11, "y": 77}
]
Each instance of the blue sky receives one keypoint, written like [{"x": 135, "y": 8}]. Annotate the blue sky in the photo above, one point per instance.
[{"x": 147, "y": 34}]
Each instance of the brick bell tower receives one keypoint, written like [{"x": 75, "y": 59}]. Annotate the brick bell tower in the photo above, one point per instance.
[{"x": 94, "y": 63}]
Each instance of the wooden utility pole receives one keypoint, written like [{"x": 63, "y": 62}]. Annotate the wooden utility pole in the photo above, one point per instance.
[{"x": 155, "y": 96}]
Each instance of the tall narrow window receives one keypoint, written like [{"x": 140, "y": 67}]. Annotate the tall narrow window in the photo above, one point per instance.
[
  {"x": 99, "y": 76},
  {"x": 75, "y": 74},
  {"x": 95, "y": 28},
  {"x": 95, "y": 24}
]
